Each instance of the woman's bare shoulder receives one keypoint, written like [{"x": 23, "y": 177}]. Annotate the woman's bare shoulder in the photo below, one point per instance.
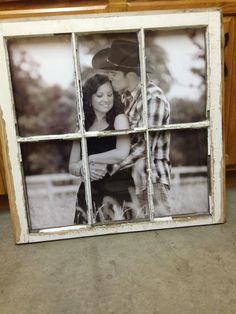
[{"x": 121, "y": 122}]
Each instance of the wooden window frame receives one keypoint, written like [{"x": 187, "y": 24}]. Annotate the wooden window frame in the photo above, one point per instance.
[{"x": 136, "y": 22}]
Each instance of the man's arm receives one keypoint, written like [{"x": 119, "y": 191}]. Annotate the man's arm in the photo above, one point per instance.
[
  {"x": 158, "y": 115},
  {"x": 158, "y": 106},
  {"x": 138, "y": 149}
]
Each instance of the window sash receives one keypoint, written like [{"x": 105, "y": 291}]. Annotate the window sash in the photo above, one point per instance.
[{"x": 112, "y": 23}]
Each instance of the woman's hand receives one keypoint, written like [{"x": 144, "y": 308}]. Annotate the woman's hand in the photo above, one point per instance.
[
  {"x": 97, "y": 171},
  {"x": 75, "y": 168}
]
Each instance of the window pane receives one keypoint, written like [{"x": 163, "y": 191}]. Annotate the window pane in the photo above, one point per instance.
[
  {"x": 176, "y": 67},
  {"x": 110, "y": 70},
  {"x": 43, "y": 85},
  {"x": 51, "y": 190},
  {"x": 188, "y": 189},
  {"x": 118, "y": 179}
]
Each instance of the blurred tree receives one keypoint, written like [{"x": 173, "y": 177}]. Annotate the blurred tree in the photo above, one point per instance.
[
  {"x": 199, "y": 68},
  {"x": 45, "y": 157},
  {"x": 41, "y": 110},
  {"x": 157, "y": 62},
  {"x": 184, "y": 110},
  {"x": 188, "y": 148}
]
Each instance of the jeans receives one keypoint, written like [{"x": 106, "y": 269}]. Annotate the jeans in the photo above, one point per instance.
[{"x": 161, "y": 200}]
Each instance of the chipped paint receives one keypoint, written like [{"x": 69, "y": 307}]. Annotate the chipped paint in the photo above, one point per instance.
[
  {"x": 79, "y": 135},
  {"x": 141, "y": 38},
  {"x": 79, "y": 101},
  {"x": 11, "y": 153}
]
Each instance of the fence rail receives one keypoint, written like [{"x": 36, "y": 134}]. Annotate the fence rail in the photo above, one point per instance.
[
  {"x": 183, "y": 174},
  {"x": 57, "y": 183}
]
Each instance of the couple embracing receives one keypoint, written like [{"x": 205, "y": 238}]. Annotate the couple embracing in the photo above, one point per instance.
[{"x": 117, "y": 164}]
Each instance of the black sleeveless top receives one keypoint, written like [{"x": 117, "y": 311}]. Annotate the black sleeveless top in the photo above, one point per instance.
[
  {"x": 97, "y": 145},
  {"x": 115, "y": 186}
]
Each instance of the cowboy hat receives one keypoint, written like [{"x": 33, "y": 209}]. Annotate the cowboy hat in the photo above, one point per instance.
[{"x": 123, "y": 55}]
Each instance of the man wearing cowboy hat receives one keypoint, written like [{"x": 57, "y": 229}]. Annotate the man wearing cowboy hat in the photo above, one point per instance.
[{"x": 121, "y": 61}]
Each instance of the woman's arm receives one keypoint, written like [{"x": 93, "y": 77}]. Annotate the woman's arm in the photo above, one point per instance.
[
  {"x": 122, "y": 145},
  {"x": 76, "y": 165},
  {"x": 75, "y": 162}
]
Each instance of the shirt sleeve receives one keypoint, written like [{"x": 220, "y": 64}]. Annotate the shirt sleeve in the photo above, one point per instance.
[
  {"x": 158, "y": 111},
  {"x": 137, "y": 151}
]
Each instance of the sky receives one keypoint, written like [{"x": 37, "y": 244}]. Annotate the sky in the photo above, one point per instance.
[
  {"x": 181, "y": 52},
  {"x": 54, "y": 55}
]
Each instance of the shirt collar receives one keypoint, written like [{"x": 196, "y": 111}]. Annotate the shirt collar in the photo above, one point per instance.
[{"x": 135, "y": 91}]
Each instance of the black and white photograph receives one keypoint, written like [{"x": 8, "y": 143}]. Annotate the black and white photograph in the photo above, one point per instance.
[
  {"x": 114, "y": 189},
  {"x": 176, "y": 70},
  {"x": 50, "y": 189},
  {"x": 109, "y": 74},
  {"x": 109, "y": 64},
  {"x": 43, "y": 85},
  {"x": 176, "y": 63},
  {"x": 115, "y": 55},
  {"x": 186, "y": 189}
]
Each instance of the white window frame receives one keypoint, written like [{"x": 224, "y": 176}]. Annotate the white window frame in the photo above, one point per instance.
[{"x": 135, "y": 22}]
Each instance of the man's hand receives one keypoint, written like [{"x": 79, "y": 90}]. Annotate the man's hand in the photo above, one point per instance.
[
  {"x": 139, "y": 175},
  {"x": 97, "y": 171}
]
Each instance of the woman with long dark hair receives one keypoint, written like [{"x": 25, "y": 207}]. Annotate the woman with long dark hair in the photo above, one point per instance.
[{"x": 103, "y": 111}]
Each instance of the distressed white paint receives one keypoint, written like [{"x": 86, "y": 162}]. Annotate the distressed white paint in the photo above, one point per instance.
[
  {"x": 116, "y": 22},
  {"x": 106, "y": 22},
  {"x": 141, "y": 38},
  {"x": 78, "y": 135},
  {"x": 79, "y": 95},
  {"x": 216, "y": 136},
  {"x": 17, "y": 203},
  {"x": 83, "y": 231}
]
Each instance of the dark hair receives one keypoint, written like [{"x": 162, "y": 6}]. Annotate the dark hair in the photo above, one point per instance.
[{"x": 89, "y": 89}]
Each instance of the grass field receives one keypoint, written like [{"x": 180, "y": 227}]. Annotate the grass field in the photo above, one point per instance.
[{"x": 48, "y": 209}]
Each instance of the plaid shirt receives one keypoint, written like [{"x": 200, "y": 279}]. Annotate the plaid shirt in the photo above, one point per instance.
[{"x": 158, "y": 115}]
